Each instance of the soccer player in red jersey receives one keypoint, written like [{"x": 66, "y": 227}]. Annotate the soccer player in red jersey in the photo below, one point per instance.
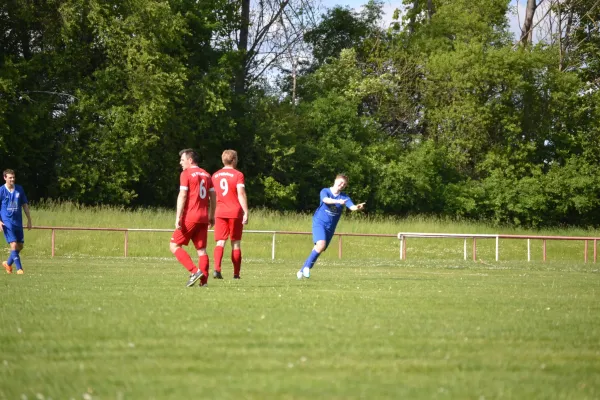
[
  {"x": 232, "y": 212},
  {"x": 195, "y": 211}
]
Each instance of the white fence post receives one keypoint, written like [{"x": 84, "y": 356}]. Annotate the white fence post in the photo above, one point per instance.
[
  {"x": 497, "y": 246},
  {"x": 401, "y": 239}
]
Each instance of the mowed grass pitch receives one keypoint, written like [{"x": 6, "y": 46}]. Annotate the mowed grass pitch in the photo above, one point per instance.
[{"x": 116, "y": 328}]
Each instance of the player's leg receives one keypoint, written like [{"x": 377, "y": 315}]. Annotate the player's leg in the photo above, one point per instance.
[
  {"x": 9, "y": 262},
  {"x": 182, "y": 256},
  {"x": 181, "y": 237},
  {"x": 16, "y": 256},
  {"x": 236, "y": 257},
  {"x": 236, "y": 228},
  {"x": 320, "y": 235},
  {"x": 15, "y": 238},
  {"x": 7, "y": 267},
  {"x": 221, "y": 234},
  {"x": 11, "y": 241},
  {"x": 199, "y": 239}
]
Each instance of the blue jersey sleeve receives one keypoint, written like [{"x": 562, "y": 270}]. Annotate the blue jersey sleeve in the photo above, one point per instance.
[
  {"x": 349, "y": 202},
  {"x": 325, "y": 193}
]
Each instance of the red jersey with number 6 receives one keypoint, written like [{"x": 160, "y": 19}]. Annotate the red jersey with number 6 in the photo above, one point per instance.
[
  {"x": 226, "y": 182},
  {"x": 198, "y": 183}
]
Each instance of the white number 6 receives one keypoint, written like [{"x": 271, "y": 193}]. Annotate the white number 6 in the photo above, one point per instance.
[{"x": 202, "y": 193}]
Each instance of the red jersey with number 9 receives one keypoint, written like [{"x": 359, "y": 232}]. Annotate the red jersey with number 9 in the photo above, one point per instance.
[
  {"x": 226, "y": 182},
  {"x": 198, "y": 183}
]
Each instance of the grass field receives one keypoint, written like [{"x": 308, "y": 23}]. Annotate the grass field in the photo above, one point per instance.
[
  {"x": 115, "y": 328},
  {"x": 90, "y": 324}
]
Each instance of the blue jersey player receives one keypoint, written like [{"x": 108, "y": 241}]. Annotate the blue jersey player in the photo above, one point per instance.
[
  {"x": 12, "y": 200},
  {"x": 332, "y": 204}
]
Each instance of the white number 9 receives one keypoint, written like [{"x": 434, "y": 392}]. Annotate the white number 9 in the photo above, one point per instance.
[
  {"x": 202, "y": 193},
  {"x": 224, "y": 186}
]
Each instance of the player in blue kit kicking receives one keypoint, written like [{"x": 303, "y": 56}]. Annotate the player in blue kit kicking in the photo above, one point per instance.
[
  {"x": 333, "y": 201},
  {"x": 12, "y": 200}
]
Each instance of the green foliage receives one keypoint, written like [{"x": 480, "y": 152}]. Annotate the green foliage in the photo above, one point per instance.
[
  {"x": 342, "y": 28},
  {"x": 419, "y": 181},
  {"x": 279, "y": 196},
  {"x": 440, "y": 114},
  {"x": 566, "y": 194},
  {"x": 574, "y": 191}
]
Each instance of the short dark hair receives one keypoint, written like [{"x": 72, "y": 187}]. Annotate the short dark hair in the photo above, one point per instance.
[
  {"x": 191, "y": 153},
  {"x": 8, "y": 172}
]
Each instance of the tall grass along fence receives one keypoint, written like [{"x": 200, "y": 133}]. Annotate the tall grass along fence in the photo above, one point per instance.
[{"x": 402, "y": 236}]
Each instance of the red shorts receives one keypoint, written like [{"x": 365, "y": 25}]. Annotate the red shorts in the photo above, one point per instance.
[
  {"x": 194, "y": 231},
  {"x": 228, "y": 228}
]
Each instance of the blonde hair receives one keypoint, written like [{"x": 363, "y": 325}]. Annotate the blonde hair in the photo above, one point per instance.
[
  {"x": 229, "y": 158},
  {"x": 8, "y": 172},
  {"x": 344, "y": 177}
]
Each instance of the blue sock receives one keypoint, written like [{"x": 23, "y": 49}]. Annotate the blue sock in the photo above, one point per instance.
[
  {"x": 11, "y": 258},
  {"x": 311, "y": 260},
  {"x": 15, "y": 255}
]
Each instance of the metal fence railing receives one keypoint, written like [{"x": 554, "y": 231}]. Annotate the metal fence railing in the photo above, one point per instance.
[
  {"x": 126, "y": 231},
  {"x": 402, "y": 236}
]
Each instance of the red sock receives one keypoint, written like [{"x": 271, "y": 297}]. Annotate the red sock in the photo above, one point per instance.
[
  {"x": 203, "y": 263},
  {"x": 218, "y": 256},
  {"x": 184, "y": 258},
  {"x": 236, "y": 259}
]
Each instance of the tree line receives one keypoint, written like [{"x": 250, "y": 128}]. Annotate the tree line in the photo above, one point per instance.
[{"x": 444, "y": 111}]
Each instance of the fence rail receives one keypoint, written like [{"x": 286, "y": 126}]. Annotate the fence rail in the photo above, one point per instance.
[
  {"x": 127, "y": 230},
  {"x": 402, "y": 236}
]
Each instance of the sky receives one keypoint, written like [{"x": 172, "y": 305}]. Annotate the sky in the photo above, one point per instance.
[{"x": 390, "y": 6}]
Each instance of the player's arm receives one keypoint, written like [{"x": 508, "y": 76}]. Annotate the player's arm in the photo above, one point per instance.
[
  {"x": 356, "y": 207},
  {"x": 328, "y": 200},
  {"x": 243, "y": 199},
  {"x": 181, "y": 199},
  {"x": 26, "y": 209},
  {"x": 212, "y": 206},
  {"x": 351, "y": 206}
]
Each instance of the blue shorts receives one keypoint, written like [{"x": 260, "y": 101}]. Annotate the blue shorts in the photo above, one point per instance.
[
  {"x": 321, "y": 232},
  {"x": 13, "y": 234}
]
